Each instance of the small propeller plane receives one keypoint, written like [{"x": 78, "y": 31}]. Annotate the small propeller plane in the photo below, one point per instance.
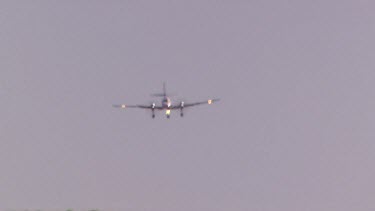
[{"x": 166, "y": 104}]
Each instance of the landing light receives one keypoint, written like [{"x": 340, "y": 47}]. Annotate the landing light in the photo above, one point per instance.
[
  {"x": 209, "y": 102},
  {"x": 123, "y": 106},
  {"x": 168, "y": 112}
]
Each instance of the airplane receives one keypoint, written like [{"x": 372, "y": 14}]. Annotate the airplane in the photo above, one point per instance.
[{"x": 166, "y": 104}]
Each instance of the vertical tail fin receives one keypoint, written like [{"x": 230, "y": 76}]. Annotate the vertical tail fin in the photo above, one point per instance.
[
  {"x": 164, "y": 90},
  {"x": 164, "y": 94}
]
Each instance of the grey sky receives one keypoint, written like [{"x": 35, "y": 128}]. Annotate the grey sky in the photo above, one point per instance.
[{"x": 294, "y": 129}]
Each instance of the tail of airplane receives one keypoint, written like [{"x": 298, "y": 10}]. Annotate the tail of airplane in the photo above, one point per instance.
[
  {"x": 164, "y": 90},
  {"x": 164, "y": 94}
]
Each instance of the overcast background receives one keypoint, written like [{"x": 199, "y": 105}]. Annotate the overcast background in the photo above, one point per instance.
[{"x": 294, "y": 129}]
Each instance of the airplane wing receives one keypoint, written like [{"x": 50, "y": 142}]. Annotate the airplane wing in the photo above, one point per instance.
[
  {"x": 184, "y": 105},
  {"x": 124, "y": 106}
]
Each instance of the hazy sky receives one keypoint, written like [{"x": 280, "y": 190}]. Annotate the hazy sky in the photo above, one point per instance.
[{"x": 294, "y": 130}]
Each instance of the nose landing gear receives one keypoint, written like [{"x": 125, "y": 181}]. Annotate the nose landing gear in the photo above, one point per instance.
[{"x": 168, "y": 113}]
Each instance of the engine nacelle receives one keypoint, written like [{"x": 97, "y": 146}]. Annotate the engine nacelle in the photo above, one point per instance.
[
  {"x": 153, "y": 110},
  {"x": 182, "y": 104}
]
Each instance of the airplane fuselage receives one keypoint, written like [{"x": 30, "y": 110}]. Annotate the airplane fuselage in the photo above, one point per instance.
[{"x": 166, "y": 103}]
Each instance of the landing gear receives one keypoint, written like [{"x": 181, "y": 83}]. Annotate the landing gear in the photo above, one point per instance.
[
  {"x": 181, "y": 113},
  {"x": 153, "y": 113},
  {"x": 168, "y": 113}
]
